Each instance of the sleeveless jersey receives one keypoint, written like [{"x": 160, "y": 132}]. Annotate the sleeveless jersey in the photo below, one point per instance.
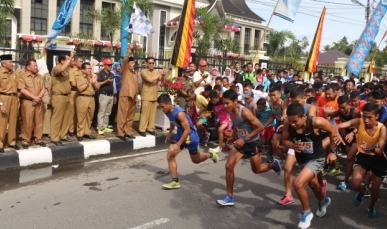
[
  {"x": 243, "y": 128},
  {"x": 362, "y": 136},
  {"x": 172, "y": 116},
  {"x": 313, "y": 148},
  {"x": 277, "y": 114},
  {"x": 344, "y": 118}
]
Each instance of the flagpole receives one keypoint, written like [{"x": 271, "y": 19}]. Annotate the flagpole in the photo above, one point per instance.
[{"x": 124, "y": 25}]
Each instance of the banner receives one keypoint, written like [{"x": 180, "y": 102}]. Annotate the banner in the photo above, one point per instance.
[
  {"x": 64, "y": 17},
  {"x": 182, "y": 50},
  {"x": 139, "y": 23},
  {"x": 311, "y": 63},
  {"x": 367, "y": 38},
  {"x": 287, "y": 9}
]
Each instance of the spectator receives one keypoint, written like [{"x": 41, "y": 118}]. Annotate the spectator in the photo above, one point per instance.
[
  {"x": 116, "y": 70},
  {"x": 200, "y": 103},
  {"x": 47, "y": 108},
  {"x": 201, "y": 77},
  {"x": 227, "y": 74},
  {"x": 214, "y": 74},
  {"x": 182, "y": 95},
  {"x": 106, "y": 97},
  {"x": 149, "y": 93},
  {"x": 74, "y": 72},
  {"x": 249, "y": 74}
]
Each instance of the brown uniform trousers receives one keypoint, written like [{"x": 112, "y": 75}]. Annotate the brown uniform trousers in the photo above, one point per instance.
[
  {"x": 73, "y": 73},
  {"x": 32, "y": 114},
  {"x": 8, "y": 96},
  {"x": 85, "y": 106},
  {"x": 60, "y": 87},
  {"x": 47, "y": 105},
  {"x": 127, "y": 100},
  {"x": 149, "y": 94},
  {"x": 19, "y": 73}
]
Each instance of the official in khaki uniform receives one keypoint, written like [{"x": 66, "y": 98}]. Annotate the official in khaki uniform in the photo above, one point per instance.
[
  {"x": 149, "y": 94},
  {"x": 87, "y": 84},
  {"x": 74, "y": 72},
  {"x": 47, "y": 108},
  {"x": 61, "y": 89},
  {"x": 32, "y": 88},
  {"x": 8, "y": 102},
  {"x": 127, "y": 103},
  {"x": 21, "y": 71}
]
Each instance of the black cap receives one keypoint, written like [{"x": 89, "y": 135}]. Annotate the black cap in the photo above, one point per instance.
[
  {"x": 6, "y": 57},
  {"x": 131, "y": 59}
]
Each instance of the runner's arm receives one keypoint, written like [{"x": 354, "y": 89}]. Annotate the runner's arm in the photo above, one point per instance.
[
  {"x": 313, "y": 111},
  {"x": 248, "y": 116},
  {"x": 270, "y": 120},
  {"x": 382, "y": 142},
  {"x": 181, "y": 116},
  {"x": 351, "y": 123},
  {"x": 286, "y": 142},
  {"x": 356, "y": 113},
  {"x": 323, "y": 124}
]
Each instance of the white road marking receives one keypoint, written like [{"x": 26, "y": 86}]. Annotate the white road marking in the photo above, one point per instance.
[
  {"x": 152, "y": 224},
  {"x": 127, "y": 156}
]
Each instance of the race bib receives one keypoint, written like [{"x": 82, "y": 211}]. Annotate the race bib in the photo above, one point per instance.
[
  {"x": 242, "y": 132},
  {"x": 308, "y": 147}
]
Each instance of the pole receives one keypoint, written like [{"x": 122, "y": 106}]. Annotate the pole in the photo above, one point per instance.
[
  {"x": 124, "y": 25},
  {"x": 368, "y": 11}
]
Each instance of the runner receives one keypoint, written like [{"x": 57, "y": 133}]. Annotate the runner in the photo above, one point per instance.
[
  {"x": 371, "y": 139},
  {"x": 246, "y": 128},
  {"x": 262, "y": 111},
  {"x": 298, "y": 132},
  {"x": 186, "y": 137}
]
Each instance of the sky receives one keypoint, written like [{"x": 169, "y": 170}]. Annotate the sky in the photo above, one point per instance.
[{"x": 343, "y": 18}]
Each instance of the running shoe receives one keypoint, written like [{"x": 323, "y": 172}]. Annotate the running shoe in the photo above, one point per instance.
[
  {"x": 286, "y": 200},
  {"x": 110, "y": 127},
  {"x": 324, "y": 187},
  {"x": 334, "y": 172},
  {"x": 108, "y": 130},
  {"x": 215, "y": 150},
  {"x": 322, "y": 208},
  {"x": 342, "y": 186},
  {"x": 367, "y": 192},
  {"x": 215, "y": 157},
  {"x": 371, "y": 212},
  {"x": 101, "y": 132},
  {"x": 226, "y": 201},
  {"x": 172, "y": 185},
  {"x": 305, "y": 220},
  {"x": 358, "y": 199},
  {"x": 277, "y": 169},
  {"x": 325, "y": 171}
]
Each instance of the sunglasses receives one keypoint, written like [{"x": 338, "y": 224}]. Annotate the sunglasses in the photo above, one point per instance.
[{"x": 151, "y": 62}]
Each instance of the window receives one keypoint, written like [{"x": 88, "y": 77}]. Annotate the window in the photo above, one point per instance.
[
  {"x": 257, "y": 35},
  {"x": 8, "y": 35},
  {"x": 86, "y": 22},
  {"x": 39, "y": 16},
  {"x": 237, "y": 36},
  {"x": 163, "y": 19},
  {"x": 104, "y": 35},
  {"x": 67, "y": 30},
  {"x": 247, "y": 40}
]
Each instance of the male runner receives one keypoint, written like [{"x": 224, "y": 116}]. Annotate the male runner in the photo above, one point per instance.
[
  {"x": 303, "y": 134},
  {"x": 246, "y": 128},
  {"x": 186, "y": 137}
]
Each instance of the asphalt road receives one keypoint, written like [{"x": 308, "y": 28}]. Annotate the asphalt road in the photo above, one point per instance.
[{"x": 127, "y": 193}]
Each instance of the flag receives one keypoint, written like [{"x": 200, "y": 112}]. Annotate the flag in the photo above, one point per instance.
[
  {"x": 182, "y": 50},
  {"x": 139, "y": 23},
  {"x": 311, "y": 63},
  {"x": 64, "y": 17},
  {"x": 371, "y": 68},
  {"x": 287, "y": 9},
  {"x": 367, "y": 38}
]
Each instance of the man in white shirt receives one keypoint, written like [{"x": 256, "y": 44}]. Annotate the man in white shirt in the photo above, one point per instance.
[{"x": 201, "y": 77}]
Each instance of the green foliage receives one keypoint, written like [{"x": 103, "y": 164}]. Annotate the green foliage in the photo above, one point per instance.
[
  {"x": 6, "y": 8},
  {"x": 342, "y": 45},
  {"x": 284, "y": 46},
  {"x": 228, "y": 44}
]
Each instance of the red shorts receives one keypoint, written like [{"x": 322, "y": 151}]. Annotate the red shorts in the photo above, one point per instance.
[{"x": 267, "y": 132}]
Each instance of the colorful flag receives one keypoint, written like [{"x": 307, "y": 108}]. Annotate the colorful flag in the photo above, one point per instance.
[
  {"x": 367, "y": 38},
  {"x": 139, "y": 23},
  {"x": 311, "y": 63},
  {"x": 64, "y": 17},
  {"x": 287, "y": 9},
  {"x": 182, "y": 50},
  {"x": 371, "y": 68}
]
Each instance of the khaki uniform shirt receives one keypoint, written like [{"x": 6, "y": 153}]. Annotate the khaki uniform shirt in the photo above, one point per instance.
[
  {"x": 8, "y": 81},
  {"x": 60, "y": 83},
  {"x": 73, "y": 74},
  {"x": 47, "y": 84},
  {"x": 32, "y": 83},
  {"x": 82, "y": 80},
  {"x": 129, "y": 83},
  {"x": 150, "y": 90}
]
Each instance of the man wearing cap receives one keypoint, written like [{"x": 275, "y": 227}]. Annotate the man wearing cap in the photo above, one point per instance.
[
  {"x": 32, "y": 88},
  {"x": 106, "y": 96},
  {"x": 127, "y": 100},
  {"x": 74, "y": 72},
  {"x": 61, "y": 90},
  {"x": 8, "y": 102},
  {"x": 149, "y": 94},
  {"x": 201, "y": 77}
]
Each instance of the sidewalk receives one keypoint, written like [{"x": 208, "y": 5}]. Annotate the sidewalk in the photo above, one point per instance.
[{"x": 102, "y": 145}]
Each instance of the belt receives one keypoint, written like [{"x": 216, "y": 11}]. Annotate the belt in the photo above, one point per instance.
[
  {"x": 106, "y": 94},
  {"x": 8, "y": 94},
  {"x": 86, "y": 95},
  {"x": 73, "y": 89},
  {"x": 62, "y": 94}
]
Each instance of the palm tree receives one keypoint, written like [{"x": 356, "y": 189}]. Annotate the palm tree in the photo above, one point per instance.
[
  {"x": 6, "y": 8},
  {"x": 327, "y": 47},
  {"x": 277, "y": 41}
]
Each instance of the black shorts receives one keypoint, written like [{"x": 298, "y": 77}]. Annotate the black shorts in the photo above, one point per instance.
[
  {"x": 376, "y": 164},
  {"x": 250, "y": 148}
]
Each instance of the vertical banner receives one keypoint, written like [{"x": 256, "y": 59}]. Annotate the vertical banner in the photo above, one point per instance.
[
  {"x": 367, "y": 38},
  {"x": 182, "y": 50},
  {"x": 64, "y": 17},
  {"x": 311, "y": 63},
  {"x": 287, "y": 9}
]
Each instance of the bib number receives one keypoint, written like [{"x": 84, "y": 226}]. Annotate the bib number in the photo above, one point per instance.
[
  {"x": 242, "y": 132},
  {"x": 308, "y": 147}
]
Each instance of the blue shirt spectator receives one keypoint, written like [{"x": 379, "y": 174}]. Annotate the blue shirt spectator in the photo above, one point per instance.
[{"x": 116, "y": 70}]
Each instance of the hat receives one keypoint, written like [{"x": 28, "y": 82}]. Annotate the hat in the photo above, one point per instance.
[
  {"x": 185, "y": 69},
  {"x": 331, "y": 74},
  {"x": 203, "y": 63},
  {"x": 6, "y": 57},
  {"x": 107, "y": 62},
  {"x": 248, "y": 94},
  {"x": 215, "y": 69},
  {"x": 131, "y": 59}
]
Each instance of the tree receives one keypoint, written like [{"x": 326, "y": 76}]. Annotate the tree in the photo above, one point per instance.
[
  {"x": 327, "y": 47},
  {"x": 6, "y": 8},
  {"x": 277, "y": 41}
]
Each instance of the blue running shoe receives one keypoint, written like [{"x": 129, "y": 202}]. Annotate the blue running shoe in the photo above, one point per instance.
[
  {"x": 322, "y": 208},
  {"x": 358, "y": 199},
  {"x": 342, "y": 185},
  {"x": 371, "y": 212},
  {"x": 277, "y": 169},
  {"x": 305, "y": 220},
  {"x": 226, "y": 201}
]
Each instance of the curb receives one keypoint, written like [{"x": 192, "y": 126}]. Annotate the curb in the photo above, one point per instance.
[{"x": 16, "y": 159}]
